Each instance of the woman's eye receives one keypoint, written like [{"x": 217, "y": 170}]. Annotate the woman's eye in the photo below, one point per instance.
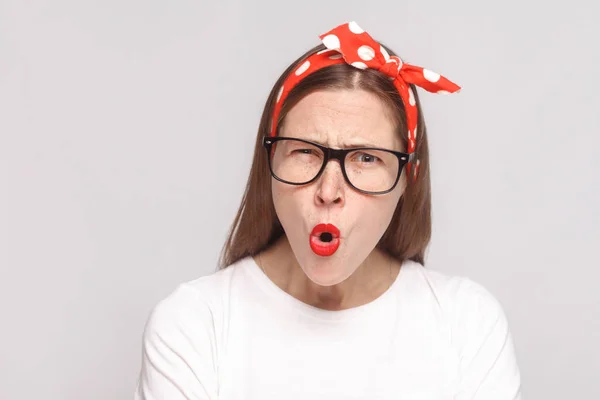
[
  {"x": 366, "y": 158},
  {"x": 303, "y": 151}
]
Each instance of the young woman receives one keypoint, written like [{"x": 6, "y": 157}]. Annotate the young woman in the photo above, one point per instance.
[{"x": 322, "y": 291}]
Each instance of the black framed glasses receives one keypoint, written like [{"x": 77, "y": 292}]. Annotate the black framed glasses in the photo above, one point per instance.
[{"x": 369, "y": 170}]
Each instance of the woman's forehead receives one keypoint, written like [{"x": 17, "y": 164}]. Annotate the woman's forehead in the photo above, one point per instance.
[{"x": 342, "y": 118}]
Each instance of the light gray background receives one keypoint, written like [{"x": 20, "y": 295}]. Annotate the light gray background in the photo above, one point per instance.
[{"x": 126, "y": 132}]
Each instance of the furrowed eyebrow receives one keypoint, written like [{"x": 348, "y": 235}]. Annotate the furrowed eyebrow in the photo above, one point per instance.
[
  {"x": 360, "y": 144},
  {"x": 345, "y": 145}
]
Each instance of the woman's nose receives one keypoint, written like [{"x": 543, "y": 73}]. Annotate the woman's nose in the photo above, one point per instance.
[{"x": 330, "y": 185}]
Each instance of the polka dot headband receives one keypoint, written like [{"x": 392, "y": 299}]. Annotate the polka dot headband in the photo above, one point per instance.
[{"x": 350, "y": 44}]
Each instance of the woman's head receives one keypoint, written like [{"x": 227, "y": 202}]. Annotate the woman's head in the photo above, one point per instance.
[
  {"x": 338, "y": 106},
  {"x": 337, "y": 118}
]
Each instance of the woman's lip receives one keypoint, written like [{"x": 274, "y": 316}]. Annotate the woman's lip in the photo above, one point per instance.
[{"x": 322, "y": 228}]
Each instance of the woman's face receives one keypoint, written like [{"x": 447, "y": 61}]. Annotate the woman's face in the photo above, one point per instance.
[{"x": 337, "y": 119}]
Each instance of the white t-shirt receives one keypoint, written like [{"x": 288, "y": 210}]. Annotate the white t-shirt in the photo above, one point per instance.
[{"x": 236, "y": 335}]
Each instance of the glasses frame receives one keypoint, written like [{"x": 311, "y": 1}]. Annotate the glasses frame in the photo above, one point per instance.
[{"x": 340, "y": 155}]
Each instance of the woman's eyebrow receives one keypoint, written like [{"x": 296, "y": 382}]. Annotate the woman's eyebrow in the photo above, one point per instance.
[
  {"x": 349, "y": 144},
  {"x": 359, "y": 143}
]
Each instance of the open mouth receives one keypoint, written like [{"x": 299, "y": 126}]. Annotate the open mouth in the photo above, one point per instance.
[{"x": 324, "y": 239}]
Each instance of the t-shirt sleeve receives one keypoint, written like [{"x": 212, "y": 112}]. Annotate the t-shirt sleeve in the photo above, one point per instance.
[
  {"x": 487, "y": 362},
  {"x": 179, "y": 350}
]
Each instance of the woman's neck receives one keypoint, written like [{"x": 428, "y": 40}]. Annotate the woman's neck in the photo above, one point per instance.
[{"x": 369, "y": 281}]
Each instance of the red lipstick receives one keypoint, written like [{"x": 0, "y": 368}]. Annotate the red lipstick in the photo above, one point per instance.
[{"x": 324, "y": 239}]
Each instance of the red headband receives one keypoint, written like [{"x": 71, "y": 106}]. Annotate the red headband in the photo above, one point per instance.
[{"x": 348, "y": 43}]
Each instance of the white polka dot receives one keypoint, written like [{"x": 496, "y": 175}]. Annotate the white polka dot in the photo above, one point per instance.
[
  {"x": 416, "y": 130},
  {"x": 383, "y": 51},
  {"x": 360, "y": 65},
  {"x": 335, "y": 57},
  {"x": 397, "y": 61},
  {"x": 411, "y": 97},
  {"x": 331, "y": 42},
  {"x": 354, "y": 28},
  {"x": 443, "y": 92},
  {"x": 279, "y": 94},
  {"x": 303, "y": 68},
  {"x": 366, "y": 52},
  {"x": 431, "y": 76}
]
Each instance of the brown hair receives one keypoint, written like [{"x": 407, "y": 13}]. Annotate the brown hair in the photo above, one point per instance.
[{"x": 256, "y": 225}]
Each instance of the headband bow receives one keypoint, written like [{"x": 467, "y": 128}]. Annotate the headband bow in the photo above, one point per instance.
[{"x": 350, "y": 44}]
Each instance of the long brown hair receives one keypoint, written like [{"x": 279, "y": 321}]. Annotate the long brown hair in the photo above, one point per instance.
[{"x": 256, "y": 225}]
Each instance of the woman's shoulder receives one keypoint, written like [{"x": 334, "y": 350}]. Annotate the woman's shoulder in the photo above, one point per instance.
[
  {"x": 197, "y": 302},
  {"x": 479, "y": 331},
  {"x": 458, "y": 296},
  {"x": 181, "y": 337},
  {"x": 215, "y": 283}
]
